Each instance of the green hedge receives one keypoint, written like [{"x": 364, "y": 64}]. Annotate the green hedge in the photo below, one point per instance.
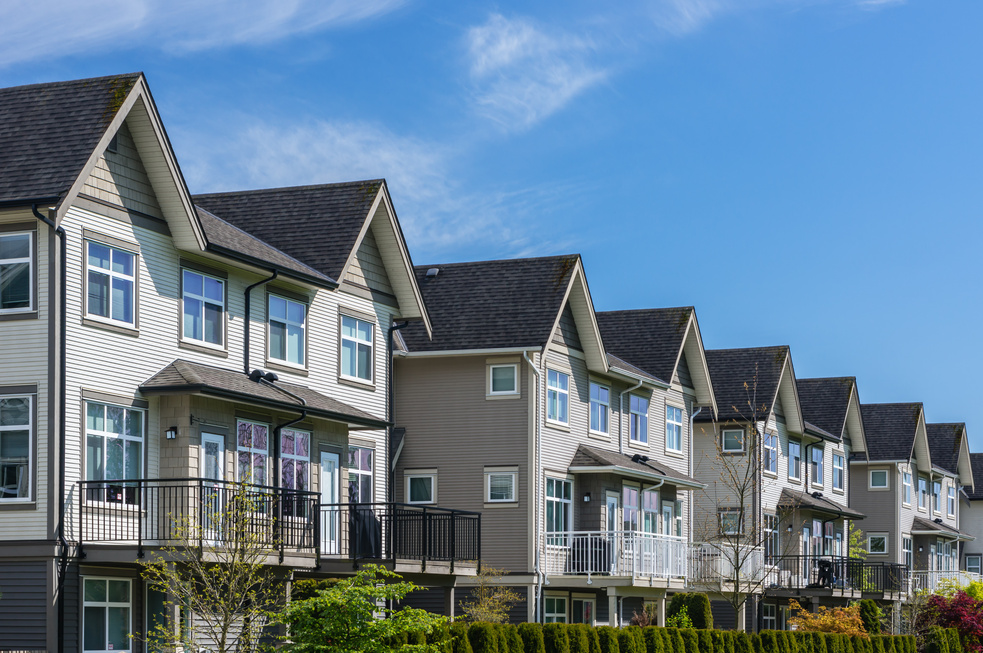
[
  {"x": 532, "y": 638},
  {"x": 608, "y": 637}
]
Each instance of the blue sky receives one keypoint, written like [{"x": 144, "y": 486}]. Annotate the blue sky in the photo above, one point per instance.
[{"x": 804, "y": 172}]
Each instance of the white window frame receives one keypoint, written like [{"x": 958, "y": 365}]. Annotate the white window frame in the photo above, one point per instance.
[
  {"x": 723, "y": 440},
  {"x": 554, "y": 392},
  {"x": 554, "y": 616},
  {"x": 515, "y": 379},
  {"x": 951, "y": 500},
  {"x": 253, "y": 451},
  {"x": 674, "y": 429},
  {"x": 107, "y": 604},
  {"x": 362, "y": 474},
  {"x": 287, "y": 322},
  {"x": 513, "y": 475},
  {"x": 603, "y": 409},
  {"x": 936, "y": 497},
  {"x": 770, "y": 446},
  {"x": 795, "y": 460},
  {"x": 907, "y": 551},
  {"x": 410, "y": 475},
  {"x": 103, "y": 491},
  {"x": 638, "y": 431},
  {"x": 29, "y": 427},
  {"x": 871, "y": 537},
  {"x": 817, "y": 467},
  {"x": 922, "y": 492},
  {"x": 870, "y": 480},
  {"x": 295, "y": 458},
  {"x": 841, "y": 468},
  {"x": 562, "y": 503},
  {"x": 769, "y": 616},
  {"x": 740, "y": 522},
  {"x": 185, "y": 294},
  {"x": 974, "y": 567},
  {"x": 907, "y": 488},
  {"x": 30, "y": 270},
  {"x": 112, "y": 275}
]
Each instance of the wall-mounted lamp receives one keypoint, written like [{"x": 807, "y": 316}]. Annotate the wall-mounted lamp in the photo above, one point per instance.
[
  {"x": 171, "y": 433},
  {"x": 920, "y": 549},
  {"x": 789, "y": 529},
  {"x": 586, "y": 497}
]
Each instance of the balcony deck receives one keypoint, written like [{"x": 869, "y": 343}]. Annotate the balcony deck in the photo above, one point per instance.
[
  {"x": 618, "y": 554},
  {"x": 931, "y": 581}
]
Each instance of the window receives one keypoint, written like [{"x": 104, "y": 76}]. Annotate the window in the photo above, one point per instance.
[
  {"x": 106, "y": 615},
  {"x": 252, "y": 449},
  {"x": 639, "y": 429},
  {"x": 922, "y": 492},
  {"x": 674, "y": 428},
  {"x": 794, "y": 460},
  {"x": 951, "y": 503},
  {"x": 204, "y": 307},
  {"x": 500, "y": 485},
  {"x": 557, "y": 396},
  {"x": 878, "y": 479},
  {"x": 295, "y": 462},
  {"x": 600, "y": 405},
  {"x": 817, "y": 466},
  {"x": 110, "y": 283},
  {"x": 554, "y": 610},
  {"x": 837, "y": 471},
  {"x": 421, "y": 488},
  {"x": 16, "y": 272},
  {"x": 558, "y": 499},
  {"x": 629, "y": 508},
  {"x": 650, "y": 513},
  {"x": 907, "y": 549},
  {"x": 15, "y": 448},
  {"x": 772, "y": 541},
  {"x": 877, "y": 544},
  {"x": 937, "y": 497},
  {"x": 973, "y": 564},
  {"x": 732, "y": 441},
  {"x": 501, "y": 379},
  {"x": 359, "y": 475},
  {"x": 356, "y": 351},
  {"x": 287, "y": 319},
  {"x": 771, "y": 453},
  {"x": 730, "y": 522},
  {"x": 113, "y": 451},
  {"x": 769, "y": 619},
  {"x": 906, "y": 492},
  {"x": 582, "y": 611}
]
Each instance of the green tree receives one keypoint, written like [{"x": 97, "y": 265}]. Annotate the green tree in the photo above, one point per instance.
[{"x": 490, "y": 601}]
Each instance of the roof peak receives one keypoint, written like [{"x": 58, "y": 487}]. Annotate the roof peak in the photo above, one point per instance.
[
  {"x": 528, "y": 259},
  {"x": 68, "y": 82},
  {"x": 257, "y": 191}
]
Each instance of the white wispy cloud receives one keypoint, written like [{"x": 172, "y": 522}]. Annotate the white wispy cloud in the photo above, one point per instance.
[
  {"x": 521, "y": 74},
  {"x": 42, "y": 29}
]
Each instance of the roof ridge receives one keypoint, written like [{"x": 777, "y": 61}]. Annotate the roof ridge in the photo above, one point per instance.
[
  {"x": 826, "y": 378},
  {"x": 256, "y": 191},
  {"x": 182, "y": 367},
  {"x": 68, "y": 82},
  {"x": 499, "y": 260},
  {"x": 622, "y": 311},
  {"x": 766, "y": 347}
]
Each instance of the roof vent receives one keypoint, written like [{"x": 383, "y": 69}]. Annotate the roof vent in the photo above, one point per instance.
[
  {"x": 817, "y": 495},
  {"x": 432, "y": 273},
  {"x": 938, "y": 520},
  {"x": 639, "y": 458}
]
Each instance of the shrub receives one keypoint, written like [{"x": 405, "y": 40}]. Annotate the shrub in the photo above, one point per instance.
[
  {"x": 870, "y": 614},
  {"x": 769, "y": 641},
  {"x": 819, "y": 643},
  {"x": 645, "y": 618},
  {"x": 668, "y": 640},
  {"x": 677, "y": 603},
  {"x": 593, "y": 641},
  {"x": 627, "y": 642},
  {"x": 654, "y": 643},
  {"x": 786, "y": 642},
  {"x": 698, "y": 608},
  {"x": 509, "y": 634},
  {"x": 678, "y": 645},
  {"x": 579, "y": 640},
  {"x": 483, "y": 638},
  {"x": 416, "y": 638},
  {"x": 718, "y": 641},
  {"x": 845, "y": 621},
  {"x": 936, "y": 640},
  {"x": 691, "y": 642},
  {"x": 555, "y": 638},
  {"x": 532, "y": 638},
  {"x": 742, "y": 642},
  {"x": 730, "y": 641},
  {"x": 460, "y": 642},
  {"x": 608, "y": 637},
  {"x": 704, "y": 640},
  {"x": 955, "y": 646},
  {"x": 756, "y": 646}
]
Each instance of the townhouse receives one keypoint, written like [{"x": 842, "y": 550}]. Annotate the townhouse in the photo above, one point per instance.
[
  {"x": 971, "y": 522},
  {"x": 577, "y": 459},
  {"x": 159, "y": 353}
]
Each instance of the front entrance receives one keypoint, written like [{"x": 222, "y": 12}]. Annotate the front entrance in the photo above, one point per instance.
[{"x": 330, "y": 501}]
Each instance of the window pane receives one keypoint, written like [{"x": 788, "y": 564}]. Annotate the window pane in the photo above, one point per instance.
[
  {"x": 18, "y": 246},
  {"x": 421, "y": 489},
  {"x": 193, "y": 327},
  {"x": 503, "y": 379},
  {"x": 243, "y": 470},
  {"x": 123, "y": 300},
  {"x": 295, "y": 344},
  {"x": 119, "y": 629},
  {"x": 134, "y": 460},
  {"x": 348, "y": 358},
  {"x": 348, "y": 326},
  {"x": 114, "y": 458},
  {"x": 15, "y": 411},
  {"x": 94, "y": 626},
  {"x": 278, "y": 308},
  {"x": 94, "y": 456},
  {"x": 99, "y": 256},
  {"x": 213, "y": 324},
  {"x": 213, "y": 290},
  {"x": 95, "y": 591},
  {"x": 123, "y": 262},
  {"x": 119, "y": 591},
  {"x": 114, "y": 419},
  {"x": 295, "y": 312},
  {"x": 302, "y": 446},
  {"x": 364, "y": 362},
  {"x": 98, "y": 290},
  {"x": 193, "y": 283},
  {"x": 260, "y": 433},
  {"x": 287, "y": 474},
  {"x": 500, "y": 487},
  {"x": 287, "y": 439},
  {"x": 302, "y": 469},
  {"x": 563, "y": 401},
  {"x": 259, "y": 469},
  {"x": 15, "y": 285},
  {"x": 278, "y": 340}
]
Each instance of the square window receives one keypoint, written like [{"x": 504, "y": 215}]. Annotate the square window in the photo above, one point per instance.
[
  {"x": 106, "y": 611},
  {"x": 421, "y": 488},
  {"x": 557, "y": 396},
  {"x": 732, "y": 441},
  {"x": 110, "y": 283},
  {"x": 878, "y": 479},
  {"x": 639, "y": 419},
  {"x": 973, "y": 564},
  {"x": 674, "y": 428},
  {"x": 204, "y": 308},
  {"x": 503, "y": 379},
  {"x": 554, "y": 610},
  {"x": 16, "y": 272},
  {"x": 600, "y": 406},
  {"x": 730, "y": 522},
  {"x": 877, "y": 544},
  {"x": 500, "y": 486},
  {"x": 287, "y": 326}
]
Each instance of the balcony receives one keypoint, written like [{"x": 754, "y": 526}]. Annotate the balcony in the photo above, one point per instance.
[
  {"x": 932, "y": 581},
  {"x": 836, "y": 573},
  {"x": 399, "y": 531},
  {"x": 631, "y": 554},
  {"x": 715, "y": 564}
]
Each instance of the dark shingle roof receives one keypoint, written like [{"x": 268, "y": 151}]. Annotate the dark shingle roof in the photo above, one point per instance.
[
  {"x": 976, "y": 461},
  {"x": 890, "y": 429},
  {"x": 649, "y": 338},
  {"x": 943, "y": 445},
  {"x": 49, "y": 131},
  {"x": 228, "y": 239},
  {"x": 594, "y": 457},
  {"x": 491, "y": 304},
  {"x": 616, "y": 363},
  {"x": 191, "y": 377},
  {"x": 314, "y": 224},
  {"x": 824, "y": 402},
  {"x": 922, "y": 524},
  {"x": 730, "y": 369},
  {"x": 796, "y": 499}
]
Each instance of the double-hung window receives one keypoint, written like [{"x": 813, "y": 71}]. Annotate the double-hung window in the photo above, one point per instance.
[
  {"x": 794, "y": 460},
  {"x": 359, "y": 475},
  {"x": 252, "y": 450},
  {"x": 559, "y": 495},
  {"x": 674, "y": 428},
  {"x": 356, "y": 351},
  {"x": 771, "y": 453},
  {"x": 500, "y": 485},
  {"x": 639, "y": 419},
  {"x": 951, "y": 502},
  {"x": 113, "y": 451},
  {"x": 288, "y": 320},
  {"x": 106, "y": 615},
  {"x": 907, "y": 549},
  {"x": 204, "y": 308},
  {"x": 906, "y": 491},
  {"x": 554, "y": 610},
  {"x": 16, "y": 272},
  {"x": 772, "y": 541},
  {"x": 16, "y": 445},
  {"x": 557, "y": 396},
  {"x": 937, "y": 497},
  {"x": 110, "y": 283},
  {"x": 922, "y": 492},
  {"x": 732, "y": 440},
  {"x": 817, "y": 466},
  {"x": 600, "y": 406},
  {"x": 838, "y": 471}
]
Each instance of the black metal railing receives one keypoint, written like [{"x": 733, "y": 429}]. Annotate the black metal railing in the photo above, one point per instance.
[
  {"x": 399, "y": 531},
  {"x": 800, "y": 572},
  {"x": 196, "y": 511}
]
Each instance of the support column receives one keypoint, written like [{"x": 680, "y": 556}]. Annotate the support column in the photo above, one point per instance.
[
  {"x": 614, "y": 619},
  {"x": 449, "y": 602},
  {"x": 660, "y": 610},
  {"x": 742, "y": 616}
]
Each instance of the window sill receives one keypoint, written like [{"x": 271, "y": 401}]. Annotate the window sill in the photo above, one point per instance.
[
  {"x": 356, "y": 383},
  {"x": 734, "y": 452},
  {"x": 675, "y": 453},
  {"x": 204, "y": 349},
  {"x": 12, "y": 504},
  {"x": 286, "y": 367},
  {"x": 638, "y": 445},
  {"x": 559, "y": 426},
  {"x": 501, "y": 504},
  {"x": 26, "y": 315},
  {"x": 797, "y": 481},
  {"x": 503, "y": 395},
  {"x": 115, "y": 328},
  {"x": 770, "y": 474},
  {"x": 838, "y": 491}
]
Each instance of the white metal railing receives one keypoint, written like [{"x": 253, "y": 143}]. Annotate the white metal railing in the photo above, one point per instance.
[
  {"x": 723, "y": 562},
  {"x": 933, "y": 580},
  {"x": 615, "y": 553}
]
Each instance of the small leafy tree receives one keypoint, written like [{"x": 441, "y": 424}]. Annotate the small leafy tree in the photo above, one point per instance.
[
  {"x": 961, "y": 612},
  {"x": 345, "y": 618},
  {"x": 856, "y": 543},
  {"x": 490, "y": 601},
  {"x": 845, "y": 621},
  {"x": 871, "y": 615}
]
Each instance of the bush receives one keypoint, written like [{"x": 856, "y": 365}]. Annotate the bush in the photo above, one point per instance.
[
  {"x": 509, "y": 635},
  {"x": 698, "y": 607},
  {"x": 955, "y": 645},
  {"x": 718, "y": 641},
  {"x": 742, "y": 642},
  {"x": 691, "y": 642},
  {"x": 483, "y": 638},
  {"x": 668, "y": 640},
  {"x": 654, "y": 643},
  {"x": 532, "y": 638},
  {"x": 936, "y": 640},
  {"x": 416, "y": 638},
  {"x": 676, "y": 636},
  {"x": 870, "y": 614},
  {"x": 819, "y": 643},
  {"x": 627, "y": 643},
  {"x": 593, "y": 641},
  {"x": 756, "y": 644},
  {"x": 769, "y": 641},
  {"x": 579, "y": 639},
  {"x": 704, "y": 641},
  {"x": 730, "y": 641},
  {"x": 608, "y": 638},
  {"x": 677, "y": 603},
  {"x": 555, "y": 638},
  {"x": 461, "y": 643}
]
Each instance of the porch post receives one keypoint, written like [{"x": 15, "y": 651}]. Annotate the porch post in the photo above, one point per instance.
[
  {"x": 660, "y": 610},
  {"x": 742, "y": 617},
  {"x": 614, "y": 619},
  {"x": 449, "y": 602}
]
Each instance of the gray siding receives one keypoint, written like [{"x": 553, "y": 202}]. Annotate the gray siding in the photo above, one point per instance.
[
  {"x": 23, "y": 586},
  {"x": 367, "y": 268},
  {"x": 120, "y": 178},
  {"x": 567, "y": 334}
]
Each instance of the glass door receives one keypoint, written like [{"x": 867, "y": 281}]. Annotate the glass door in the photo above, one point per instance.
[
  {"x": 612, "y": 503},
  {"x": 330, "y": 500},
  {"x": 213, "y": 470}
]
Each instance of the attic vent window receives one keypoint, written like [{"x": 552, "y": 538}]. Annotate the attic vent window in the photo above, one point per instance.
[
  {"x": 113, "y": 144},
  {"x": 432, "y": 273}
]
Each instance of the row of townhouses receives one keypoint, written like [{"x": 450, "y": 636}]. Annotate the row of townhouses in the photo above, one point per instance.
[{"x": 162, "y": 349}]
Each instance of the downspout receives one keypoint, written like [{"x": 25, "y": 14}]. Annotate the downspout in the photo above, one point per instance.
[
  {"x": 621, "y": 418},
  {"x": 539, "y": 461},
  {"x": 245, "y": 326},
  {"x": 62, "y": 385},
  {"x": 391, "y": 407},
  {"x": 692, "y": 501}
]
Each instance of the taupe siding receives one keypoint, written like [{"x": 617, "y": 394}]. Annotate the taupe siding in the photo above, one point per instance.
[
  {"x": 567, "y": 334},
  {"x": 23, "y": 586},
  {"x": 119, "y": 178},
  {"x": 368, "y": 269},
  {"x": 683, "y": 376},
  {"x": 883, "y": 507}
]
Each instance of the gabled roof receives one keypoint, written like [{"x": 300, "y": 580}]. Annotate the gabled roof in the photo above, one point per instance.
[
  {"x": 949, "y": 444},
  {"x": 799, "y": 500},
  {"x": 49, "y": 131},
  {"x": 185, "y": 377},
  {"x": 617, "y": 365},
  {"x": 594, "y": 460},
  {"x": 833, "y": 405},
  {"x": 748, "y": 382},
  {"x": 896, "y": 432},
  {"x": 976, "y": 463},
  {"x": 922, "y": 526},
  {"x": 655, "y": 340}
]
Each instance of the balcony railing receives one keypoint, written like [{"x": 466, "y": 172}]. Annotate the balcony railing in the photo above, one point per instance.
[
  {"x": 934, "y": 580},
  {"x": 721, "y": 563},
  {"x": 799, "y": 572},
  {"x": 616, "y": 553},
  {"x": 196, "y": 511},
  {"x": 399, "y": 531}
]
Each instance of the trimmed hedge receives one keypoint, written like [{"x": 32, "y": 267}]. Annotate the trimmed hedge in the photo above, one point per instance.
[
  {"x": 555, "y": 638},
  {"x": 579, "y": 638},
  {"x": 608, "y": 637},
  {"x": 532, "y": 638}
]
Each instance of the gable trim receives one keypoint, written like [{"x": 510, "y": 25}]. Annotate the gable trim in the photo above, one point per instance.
[
  {"x": 692, "y": 327},
  {"x": 592, "y": 344}
]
